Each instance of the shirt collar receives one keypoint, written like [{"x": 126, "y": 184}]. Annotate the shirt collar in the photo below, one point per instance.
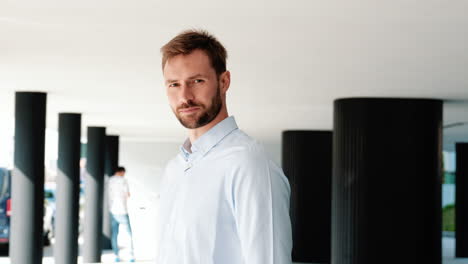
[
  {"x": 184, "y": 149},
  {"x": 211, "y": 138}
]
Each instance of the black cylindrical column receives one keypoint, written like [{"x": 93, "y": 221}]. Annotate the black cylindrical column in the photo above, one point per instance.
[
  {"x": 68, "y": 188},
  {"x": 461, "y": 201},
  {"x": 307, "y": 162},
  {"x": 111, "y": 163},
  {"x": 112, "y": 154},
  {"x": 94, "y": 188},
  {"x": 26, "y": 237},
  {"x": 387, "y": 181}
]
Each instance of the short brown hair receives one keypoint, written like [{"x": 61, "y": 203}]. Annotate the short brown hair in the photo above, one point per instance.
[{"x": 190, "y": 40}]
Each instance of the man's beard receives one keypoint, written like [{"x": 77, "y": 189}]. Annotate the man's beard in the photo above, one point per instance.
[{"x": 198, "y": 119}]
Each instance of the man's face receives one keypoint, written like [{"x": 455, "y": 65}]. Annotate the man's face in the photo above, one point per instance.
[{"x": 193, "y": 89}]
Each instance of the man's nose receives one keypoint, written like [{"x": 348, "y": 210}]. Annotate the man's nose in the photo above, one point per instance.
[{"x": 186, "y": 93}]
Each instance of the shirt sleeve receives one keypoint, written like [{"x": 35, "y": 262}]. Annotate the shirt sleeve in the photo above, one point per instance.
[{"x": 260, "y": 201}]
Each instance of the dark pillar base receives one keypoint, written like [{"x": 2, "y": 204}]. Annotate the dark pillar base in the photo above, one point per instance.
[
  {"x": 111, "y": 164},
  {"x": 27, "y": 187},
  {"x": 68, "y": 189},
  {"x": 461, "y": 201},
  {"x": 307, "y": 162},
  {"x": 94, "y": 189},
  {"x": 387, "y": 181}
]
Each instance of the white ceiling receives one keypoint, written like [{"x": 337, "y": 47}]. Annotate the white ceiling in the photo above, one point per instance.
[{"x": 289, "y": 59}]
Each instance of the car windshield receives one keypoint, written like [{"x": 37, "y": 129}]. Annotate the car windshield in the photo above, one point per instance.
[
  {"x": 48, "y": 194},
  {"x": 4, "y": 182}
]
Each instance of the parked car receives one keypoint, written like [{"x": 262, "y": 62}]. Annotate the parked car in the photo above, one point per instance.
[
  {"x": 5, "y": 205},
  {"x": 5, "y": 210},
  {"x": 49, "y": 214}
]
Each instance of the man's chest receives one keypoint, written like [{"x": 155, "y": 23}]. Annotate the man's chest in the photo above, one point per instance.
[{"x": 195, "y": 196}]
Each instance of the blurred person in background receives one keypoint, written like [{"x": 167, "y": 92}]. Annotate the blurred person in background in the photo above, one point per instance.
[{"x": 118, "y": 196}]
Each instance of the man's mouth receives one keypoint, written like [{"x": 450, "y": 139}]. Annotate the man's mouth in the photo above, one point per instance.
[{"x": 189, "y": 110}]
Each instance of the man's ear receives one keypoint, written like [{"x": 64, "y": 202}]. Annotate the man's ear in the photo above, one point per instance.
[{"x": 225, "y": 81}]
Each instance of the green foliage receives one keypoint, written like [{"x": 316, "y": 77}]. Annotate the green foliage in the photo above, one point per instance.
[{"x": 448, "y": 218}]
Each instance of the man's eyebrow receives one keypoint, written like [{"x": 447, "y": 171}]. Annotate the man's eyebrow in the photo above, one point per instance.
[
  {"x": 170, "y": 81},
  {"x": 198, "y": 75},
  {"x": 195, "y": 76}
]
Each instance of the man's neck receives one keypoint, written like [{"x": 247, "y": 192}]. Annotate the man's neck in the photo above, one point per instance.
[{"x": 196, "y": 133}]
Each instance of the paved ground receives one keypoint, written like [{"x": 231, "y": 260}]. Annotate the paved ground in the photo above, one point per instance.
[
  {"x": 448, "y": 244},
  {"x": 107, "y": 257}
]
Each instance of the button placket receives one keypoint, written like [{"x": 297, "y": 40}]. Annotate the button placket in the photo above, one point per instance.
[{"x": 189, "y": 162}]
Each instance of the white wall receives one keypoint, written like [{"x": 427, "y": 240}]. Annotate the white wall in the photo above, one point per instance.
[{"x": 144, "y": 162}]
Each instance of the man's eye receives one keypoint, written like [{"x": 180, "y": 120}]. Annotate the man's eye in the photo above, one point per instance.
[
  {"x": 173, "y": 85},
  {"x": 198, "y": 81}
]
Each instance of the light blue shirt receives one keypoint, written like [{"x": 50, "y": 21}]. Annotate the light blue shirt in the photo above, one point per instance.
[{"x": 224, "y": 202}]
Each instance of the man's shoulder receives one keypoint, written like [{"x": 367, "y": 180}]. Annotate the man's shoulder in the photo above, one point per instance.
[
  {"x": 249, "y": 158},
  {"x": 242, "y": 147}
]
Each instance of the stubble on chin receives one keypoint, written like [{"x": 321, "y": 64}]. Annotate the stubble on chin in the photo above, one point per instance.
[{"x": 189, "y": 121}]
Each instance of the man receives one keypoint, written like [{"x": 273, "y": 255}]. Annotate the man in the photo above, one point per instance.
[
  {"x": 118, "y": 195},
  {"x": 221, "y": 200}
]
